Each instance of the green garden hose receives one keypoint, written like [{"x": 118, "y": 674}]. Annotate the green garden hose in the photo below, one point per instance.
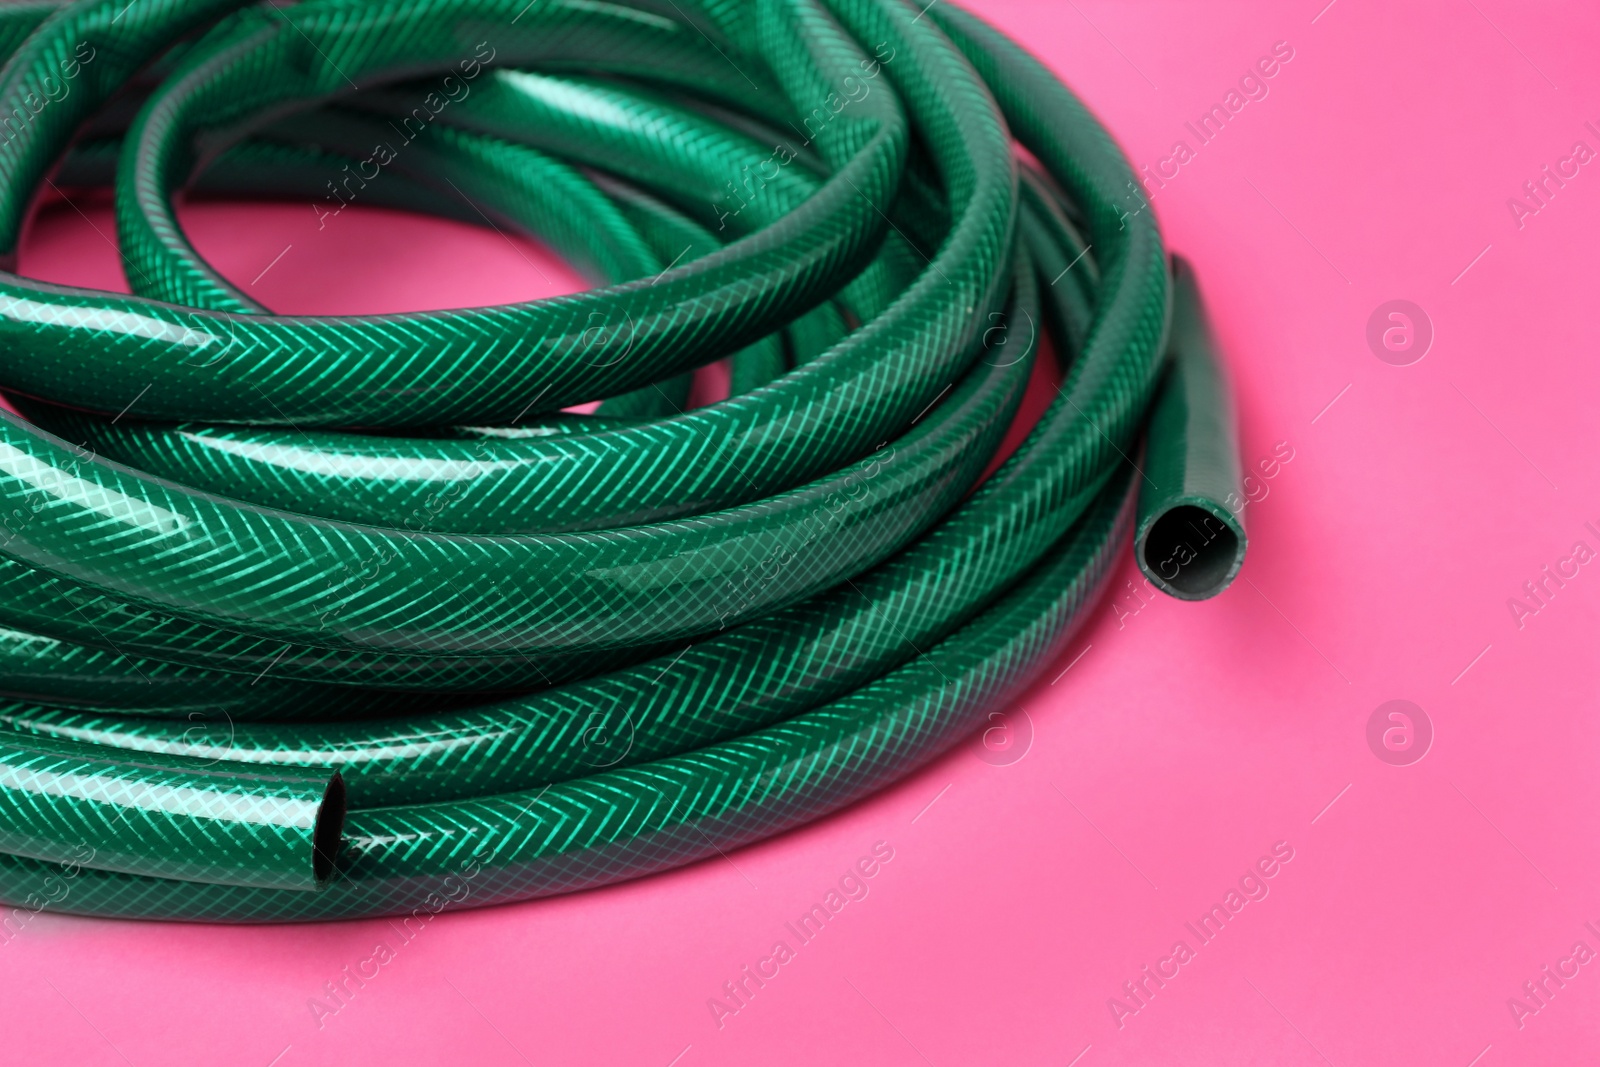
[{"x": 310, "y": 618}]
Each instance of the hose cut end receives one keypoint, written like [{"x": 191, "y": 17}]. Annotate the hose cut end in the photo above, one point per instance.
[
  {"x": 328, "y": 832},
  {"x": 1190, "y": 540},
  {"x": 1192, "y": 549}
]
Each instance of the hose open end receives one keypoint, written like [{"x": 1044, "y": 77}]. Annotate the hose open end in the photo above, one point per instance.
[
  {"x": 1190, "y": 540},
  {"x": 328, "y": 831},
  {"x": 1191, "y": 549}
]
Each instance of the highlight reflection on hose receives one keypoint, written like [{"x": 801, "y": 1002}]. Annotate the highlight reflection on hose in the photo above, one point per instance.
[{"x": 310, "y": 618}]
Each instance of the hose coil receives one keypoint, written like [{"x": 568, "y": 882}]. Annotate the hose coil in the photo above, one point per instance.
[{"x": 321, "y": 617}]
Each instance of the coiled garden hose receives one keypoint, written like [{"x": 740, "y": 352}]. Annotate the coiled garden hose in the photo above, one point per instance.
[{"x": 310, "y": 618}]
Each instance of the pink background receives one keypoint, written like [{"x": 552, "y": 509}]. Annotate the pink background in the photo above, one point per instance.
[{"x": 1186, "y": 739}]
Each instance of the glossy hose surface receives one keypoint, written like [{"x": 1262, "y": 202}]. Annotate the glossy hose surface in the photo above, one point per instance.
[{"x": 254, "y": 561}]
